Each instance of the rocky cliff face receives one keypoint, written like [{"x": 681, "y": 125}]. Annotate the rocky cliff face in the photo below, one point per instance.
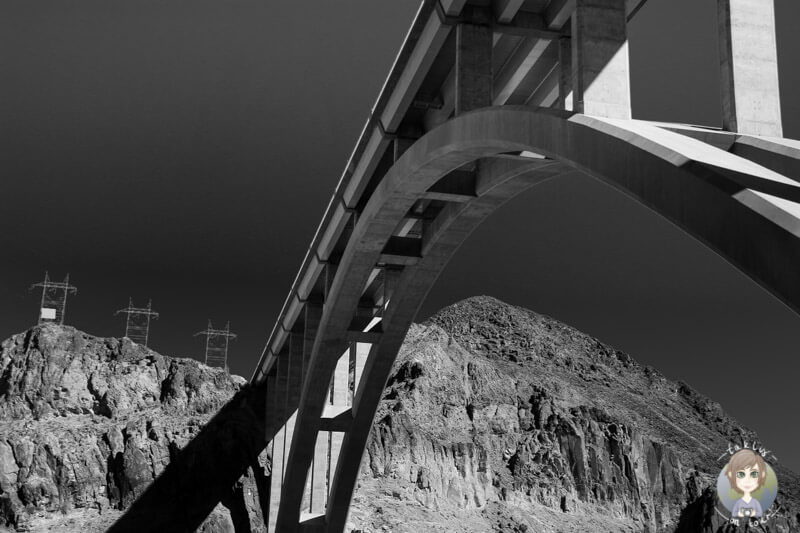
[
  {"x": 500, "y": 419},
  {"x": 495, "y": 419},
  {"x": 87, "y": 423}
]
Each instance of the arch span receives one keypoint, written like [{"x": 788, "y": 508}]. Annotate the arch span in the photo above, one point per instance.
[{"x": 744, "y": 212}]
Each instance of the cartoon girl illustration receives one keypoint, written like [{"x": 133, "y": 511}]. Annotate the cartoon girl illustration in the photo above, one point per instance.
[{"x": 746, "y": 472}]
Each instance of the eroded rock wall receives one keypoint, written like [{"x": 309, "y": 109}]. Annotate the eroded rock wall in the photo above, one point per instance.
[
  {"x": 515, "y": 421},
  {"x": 88, "y": 423}
]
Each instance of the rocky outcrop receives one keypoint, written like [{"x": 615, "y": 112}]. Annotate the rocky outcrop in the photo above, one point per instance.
[
  {"x": 497, "y": 418},
  {"x": 88, "y": 423}
]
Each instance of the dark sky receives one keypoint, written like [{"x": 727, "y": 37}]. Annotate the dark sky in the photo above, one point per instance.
[{"x": 184, "y": 151}]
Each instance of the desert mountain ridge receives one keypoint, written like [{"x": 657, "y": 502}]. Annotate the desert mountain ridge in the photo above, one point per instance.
[
  {"x": 495, "y": 418},
  {"x": 527, "y": 424}
]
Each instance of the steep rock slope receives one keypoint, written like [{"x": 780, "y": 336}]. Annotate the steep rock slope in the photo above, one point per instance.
[
  {"x": 495, "y": 419},
  {"x": 87, "y": 423},
  {"x": 500, "y": 419}
]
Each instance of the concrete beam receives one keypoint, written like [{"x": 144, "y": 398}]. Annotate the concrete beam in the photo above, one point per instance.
[
  {"x": 452, "y": 8},
  {"x": 558, "y": 13},
  {"x": 336, "y": 418},
  {"x": 517, "y": 68},
  {"x": 748, "y": 55},
  {"x": 780, "y": 155},
  {"x": 546, "y": 94},
  {"x": 401, "y": 251},
  {"x": 505, "y": 10},
  {"x": 600, "y": 64},
  {"x": 430, "y": 42},
  {"x": 458, "y": 186},
  {"x": 724, "y": 140},
  {"x": 370, "y": 337},
  {"x": 526, "y": 24}
]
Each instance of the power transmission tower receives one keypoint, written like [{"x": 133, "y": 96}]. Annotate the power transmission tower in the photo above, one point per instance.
[
  {"x": 137, "y": 324},
  {"x": 217, "y": 341},
  {"x": 54, "y": 299}
]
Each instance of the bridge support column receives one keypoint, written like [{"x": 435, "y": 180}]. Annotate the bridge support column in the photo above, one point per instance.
[
  {"x": 318, "y": 498},
  {"x": 565, "y": 74},
  {"x": 359, "y": 351},
  {"x": 473, "y": 67},
  {"x": 316, "y": 485},
  {"x": 278, "y": 445},
  {"x": 339, "y": 395},
  {"x": 749, "y": 66},
  {"x": 600, "y": 65},
  {"x": 329, "y": 443},
  {"x": 295, "y": 359}
]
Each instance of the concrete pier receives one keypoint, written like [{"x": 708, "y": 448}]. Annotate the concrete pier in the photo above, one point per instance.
[
  {"x": 278, "y": 446},
  {"x": 473, "y": 67},
  {"x": 600, "y": 65},
  {"x": 748, "y": 56}
]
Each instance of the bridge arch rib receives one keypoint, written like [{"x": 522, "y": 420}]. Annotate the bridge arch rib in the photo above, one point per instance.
[{"x": 744, "y": 212}]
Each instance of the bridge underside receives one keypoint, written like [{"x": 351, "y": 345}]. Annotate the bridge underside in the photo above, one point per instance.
[
  {"x": 487, "y": 99},
  {"x": 446, "y": 184}
]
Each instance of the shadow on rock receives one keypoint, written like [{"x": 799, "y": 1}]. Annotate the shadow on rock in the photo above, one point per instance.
[
  {"x": 698, "y": 516},
  {"x": 204, "y": 472}
]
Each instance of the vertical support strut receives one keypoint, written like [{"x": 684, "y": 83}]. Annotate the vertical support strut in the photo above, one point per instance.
[
  {"x": 317, "y": 480},
  {"x": 565, "y": 74},
  {"x": 278, "y": 445},
  {"x": 339, "y": 396},
  {"x": 359, "y": 351},
  {"x": 749, "y": 67},
  {"x": 270, "y": 422},
  {"x": 473, "y": 67},
  {"x": 400, "y": 145},
  {"x": 600, "y": 64},
  {"x": 319, "y": 475},
  {"x": 294, "y": 386}
]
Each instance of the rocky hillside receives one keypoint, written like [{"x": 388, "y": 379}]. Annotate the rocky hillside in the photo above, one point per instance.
[
  {"x": 500, "y": 419},
  {"x": 495, "y": 419},
  {"x": 87, "y": 423}
]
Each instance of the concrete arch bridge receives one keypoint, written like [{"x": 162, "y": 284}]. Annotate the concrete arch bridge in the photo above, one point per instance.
[{"x": 485, "y": 100}]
